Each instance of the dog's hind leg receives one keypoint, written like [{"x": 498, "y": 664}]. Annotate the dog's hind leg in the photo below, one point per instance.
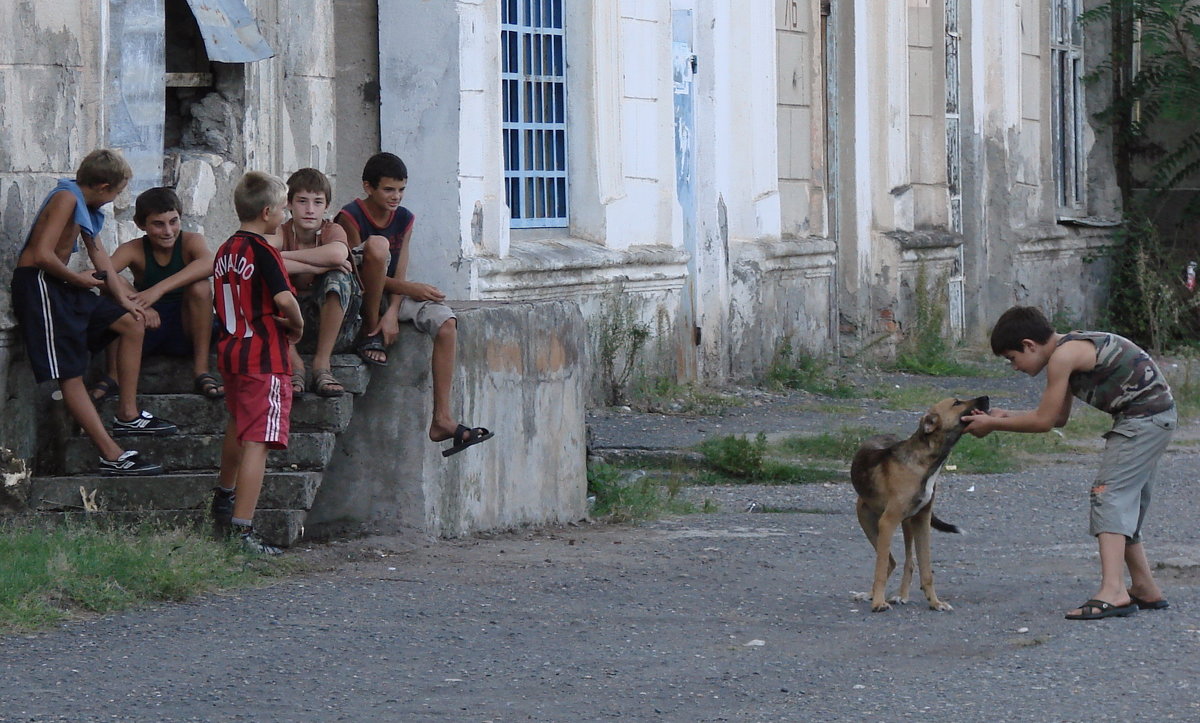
[
  {"x": 920, "y": 525},
  {"x": 906, "y": 576}
]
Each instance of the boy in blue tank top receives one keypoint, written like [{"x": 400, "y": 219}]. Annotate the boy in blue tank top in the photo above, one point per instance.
[
  {"x": 379, "y": 231},
  {"x": 171, "y": 270},
  {"x": 63, "y": 321}
]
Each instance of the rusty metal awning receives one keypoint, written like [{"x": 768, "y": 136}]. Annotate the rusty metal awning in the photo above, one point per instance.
[{"x": 230, "y": 31}]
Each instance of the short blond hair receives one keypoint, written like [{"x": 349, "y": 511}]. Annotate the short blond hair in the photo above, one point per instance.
[
  {"x": 103, "y": 166},
  {"x": 256, "y": 191}
]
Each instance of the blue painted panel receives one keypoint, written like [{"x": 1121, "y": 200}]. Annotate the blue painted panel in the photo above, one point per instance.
[{"x": 230, "y": 31}]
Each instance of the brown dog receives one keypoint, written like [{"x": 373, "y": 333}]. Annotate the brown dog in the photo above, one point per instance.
[{"x": 896, "y": 481}]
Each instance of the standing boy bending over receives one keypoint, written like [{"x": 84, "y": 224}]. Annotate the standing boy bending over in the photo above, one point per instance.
[
  {"x": 1116, "y": 376},
  {"x": 317, "y": 259},
  {"x": 63, "y": 322},
  {"x": 383, "y": 228},
  {"x": 171, "y": 268},
  {"x": 259, "y": 317}
]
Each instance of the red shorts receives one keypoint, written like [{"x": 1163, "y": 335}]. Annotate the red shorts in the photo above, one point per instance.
[{"x": 261, "y": 407}]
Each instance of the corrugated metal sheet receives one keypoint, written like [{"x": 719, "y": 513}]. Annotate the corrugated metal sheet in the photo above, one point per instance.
[{"x": 230, "y": 32}]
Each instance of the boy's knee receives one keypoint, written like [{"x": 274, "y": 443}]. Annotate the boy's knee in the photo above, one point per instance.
[
  {"x": 376, "y": 248},
  {"x": 199, "y": 291},
  {"x": 130, "y": 326},
  {"x": 449, "y": 327}
]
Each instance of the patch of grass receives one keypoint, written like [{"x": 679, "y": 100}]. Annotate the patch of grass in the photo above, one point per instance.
[
  {"x": 905, "y": 398},
  {"x": 665, "y": 396},
  {"x": 840, "y": 445},
  {"x": 50, "y": 574},
  {"x": 623, "y": 496},
  {"x": 742, "y": 460},
  {"x": 797, "y": 370}
]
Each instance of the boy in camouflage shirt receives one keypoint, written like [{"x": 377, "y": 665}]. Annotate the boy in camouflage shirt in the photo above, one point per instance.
[{"x": 1116, "y": 376}]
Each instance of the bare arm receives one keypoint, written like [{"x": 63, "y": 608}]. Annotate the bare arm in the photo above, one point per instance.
[
  {"x": 289, "y": 315},
  {"x": 1054, "y": 410},
  {"x": 116, "y": 286},
  {"x": 52, "y": 229},
  {"x": 397, "y": 283},
  {"x": 199, "y": 266}
]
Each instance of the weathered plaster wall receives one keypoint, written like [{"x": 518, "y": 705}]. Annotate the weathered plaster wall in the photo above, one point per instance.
[
  {"x": 520, "y": 372},
  {"x": 356, "y": 92}
]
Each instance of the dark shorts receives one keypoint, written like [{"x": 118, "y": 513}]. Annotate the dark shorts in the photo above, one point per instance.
[
  {"x": 62, "y": 324},
  {"x": 170, "y": 338}
]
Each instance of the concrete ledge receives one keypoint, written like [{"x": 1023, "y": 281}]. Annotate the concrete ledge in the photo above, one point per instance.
[
  {"x": 520, "y": 373},
  {"x": 183, "y": 452},
  {"x": 282, "y": 490}
]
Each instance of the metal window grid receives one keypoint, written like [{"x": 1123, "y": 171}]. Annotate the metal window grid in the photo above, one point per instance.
[
  {"x": 1067, "y": 111},
  {"x": 533, "y": 77}
]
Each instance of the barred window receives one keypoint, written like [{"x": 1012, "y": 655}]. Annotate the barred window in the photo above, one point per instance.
[
  {"x": 1066, "y": 58},
  {"x": 534, "y": 75}
]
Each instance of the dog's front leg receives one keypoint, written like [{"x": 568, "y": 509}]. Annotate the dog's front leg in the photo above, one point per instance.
[
  {"x": 883, "y": 556},
  {"x": 920, "y": 524},
  {"x": 901, "y": 596}
]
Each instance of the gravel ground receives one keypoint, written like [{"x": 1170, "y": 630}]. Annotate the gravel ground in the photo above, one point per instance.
[{"x": 731, "y": 616}]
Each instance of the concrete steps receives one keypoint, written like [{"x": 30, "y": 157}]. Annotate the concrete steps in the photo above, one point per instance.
[{"x": 68, "y": 461}]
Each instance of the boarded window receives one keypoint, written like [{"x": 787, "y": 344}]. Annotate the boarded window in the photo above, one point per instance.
[
  {"x": 1066, "y": 58},
  {"x": 534, "y": 75}
]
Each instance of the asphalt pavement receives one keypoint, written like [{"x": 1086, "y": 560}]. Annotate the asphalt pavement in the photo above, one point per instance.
[{"x": 729, "y": 616}]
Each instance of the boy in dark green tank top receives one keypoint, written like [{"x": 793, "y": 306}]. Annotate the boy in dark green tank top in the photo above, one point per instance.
[
  {"x": 171, "y": 270},
  {"x": 1116, "y": 376}
]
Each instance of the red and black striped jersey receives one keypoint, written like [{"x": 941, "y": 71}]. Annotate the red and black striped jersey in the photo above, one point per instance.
[{"x": 247, "y": 274}]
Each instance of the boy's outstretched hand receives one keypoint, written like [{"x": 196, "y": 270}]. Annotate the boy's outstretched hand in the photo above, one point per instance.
[{"x": 981, "y": 424}]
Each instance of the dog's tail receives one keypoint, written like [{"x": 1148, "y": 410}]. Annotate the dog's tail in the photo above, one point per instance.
[{"x": 943, "y": 526}]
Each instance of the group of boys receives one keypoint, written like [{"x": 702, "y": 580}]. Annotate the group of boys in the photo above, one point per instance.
[
  {"x": 360, "y": 260},
  {"x": 270, "y": 281}
]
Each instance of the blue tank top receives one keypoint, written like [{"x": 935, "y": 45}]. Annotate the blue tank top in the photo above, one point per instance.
[{"x": 394, "y": 230}]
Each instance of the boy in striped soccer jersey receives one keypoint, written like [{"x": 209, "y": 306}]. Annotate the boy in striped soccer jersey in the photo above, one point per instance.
[{"x": 259, "y": 317}]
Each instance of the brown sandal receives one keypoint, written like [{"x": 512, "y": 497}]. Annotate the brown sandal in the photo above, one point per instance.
[{"x": 327, "y": 385}]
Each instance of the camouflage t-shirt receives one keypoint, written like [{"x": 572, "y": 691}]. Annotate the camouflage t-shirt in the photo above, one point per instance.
[{"x": 1125, "y": 380}]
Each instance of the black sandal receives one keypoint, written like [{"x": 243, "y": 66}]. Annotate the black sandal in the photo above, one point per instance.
[
  {"x": 1101, "y": 609},
  {"x": 372, "y": 344},
  {"x": 465, "y": 437},
  {"x": 208, "y": 386},
  {"x": 107, "y": 386}
]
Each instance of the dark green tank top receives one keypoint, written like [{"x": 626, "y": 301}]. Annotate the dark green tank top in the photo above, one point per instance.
[{"x": 155, "y": 273}]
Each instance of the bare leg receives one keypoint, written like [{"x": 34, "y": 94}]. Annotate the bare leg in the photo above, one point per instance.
[
  {"x": 1142, "y": 583},
  {"x": 231, "y": 457},
  {"x": 197, "y": 323},
  {"x": 80, "y": 405},
  {"x": 110, "y": 365},
  {"x": 445, "y": 346},
  {"x": 129, "y": 363},
  {"x": 373, "y": 272},
  {"x": 332, "y": 315},
  {"x": 251, "y": 470},
  {"x": 1112, "y": 570}
]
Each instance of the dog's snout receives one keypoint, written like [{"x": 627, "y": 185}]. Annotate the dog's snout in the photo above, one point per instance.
[{"x": 982, "y": 403}]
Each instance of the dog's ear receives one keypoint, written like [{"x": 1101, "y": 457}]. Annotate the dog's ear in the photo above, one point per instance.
[{"x": 929, "y": 423}]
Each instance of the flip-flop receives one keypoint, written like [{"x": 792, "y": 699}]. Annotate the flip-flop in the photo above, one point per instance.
[
  {"x": 107, "y": 386},
  {"x": 467, "y": 437},
  {"x": 1149, "y": 604},
  {"x": 1102, "y": 610},
  {"x": 375, "y": 344},
  {"x": 208, "y": 386},
  {"x": 299, "y": 385}
]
